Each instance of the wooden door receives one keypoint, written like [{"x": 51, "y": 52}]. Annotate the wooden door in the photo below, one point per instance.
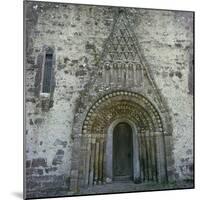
[{"x": 122, "y": 152}]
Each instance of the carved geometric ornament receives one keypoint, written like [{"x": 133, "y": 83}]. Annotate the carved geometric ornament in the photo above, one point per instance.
[
  {"x": 122, "y": 104},
  {"x": 120, "y": 63}
]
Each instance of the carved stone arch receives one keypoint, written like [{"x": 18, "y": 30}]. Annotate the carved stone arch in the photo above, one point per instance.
[
  {"x": 143, "y": 106},
  {"x": 108, "y": 113},
  {"x": 91, "y": 139}
]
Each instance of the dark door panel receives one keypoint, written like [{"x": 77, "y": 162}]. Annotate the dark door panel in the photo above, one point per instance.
[{"x": 122, "y": 151}]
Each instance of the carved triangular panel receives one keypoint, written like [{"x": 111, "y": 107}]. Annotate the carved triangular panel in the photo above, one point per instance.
[
  {"x": 120, "y": 53},
  {"x": 121, "y": 39}
]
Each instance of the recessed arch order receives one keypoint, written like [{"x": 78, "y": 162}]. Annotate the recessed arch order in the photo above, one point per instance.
[{"x": 95, "y": 152}]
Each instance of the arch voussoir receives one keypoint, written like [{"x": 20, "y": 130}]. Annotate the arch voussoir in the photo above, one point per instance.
[{"x": 119, "y": 106}]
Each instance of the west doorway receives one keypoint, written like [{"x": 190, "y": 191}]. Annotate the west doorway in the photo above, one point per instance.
[{"x": 122, "y": 152}]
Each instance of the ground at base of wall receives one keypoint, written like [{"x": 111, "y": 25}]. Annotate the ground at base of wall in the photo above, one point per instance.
[
  {"x": 116, "y": 187},
  {"x": 62, "y": 192}
]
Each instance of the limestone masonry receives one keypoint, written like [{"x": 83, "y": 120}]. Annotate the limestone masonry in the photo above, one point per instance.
[{"x": 91, "y": 71}]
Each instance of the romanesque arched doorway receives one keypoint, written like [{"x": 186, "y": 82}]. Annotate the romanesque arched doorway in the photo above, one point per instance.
[{"x": 94, "y": 157}]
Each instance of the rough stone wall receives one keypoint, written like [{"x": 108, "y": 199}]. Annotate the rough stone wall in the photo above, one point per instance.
[
  {"x": 167, "y": 42},
  {"x": 77, "y": 34}
]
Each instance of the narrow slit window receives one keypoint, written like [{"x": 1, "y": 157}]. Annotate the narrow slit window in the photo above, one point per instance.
[{"x": 47, "y": 74}]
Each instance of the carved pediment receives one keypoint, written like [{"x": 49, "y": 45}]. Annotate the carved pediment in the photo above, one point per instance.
[
  {"x": 120, "y": 45},
  {"x": 120, "y": 63}
]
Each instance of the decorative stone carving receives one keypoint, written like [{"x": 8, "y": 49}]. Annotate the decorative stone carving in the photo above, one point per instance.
[
  {"x": 126, "y": 74},
  {"x": 119, "y": 98},
  {"x": 120, "y": 64},
  {"x": 139, "y": 111}
]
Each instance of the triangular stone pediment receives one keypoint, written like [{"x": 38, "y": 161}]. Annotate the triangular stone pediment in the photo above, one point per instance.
[{"x": 120, "y": 46}]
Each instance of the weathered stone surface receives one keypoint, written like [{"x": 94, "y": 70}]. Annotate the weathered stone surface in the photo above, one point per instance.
[
  {"x": 60, "y": 142},
  {"x": 28, "y": 163},
  {"x": 51, "y": 169},
  {"x": 60, "y": 152},
  {"x": 38, "y": 121},
  {"x": 32, "y": 171},
  {"x": 31, "y": 185},
  {"x": 78, "y": 35},
  {"x": 39, "y": 162},
  {"x": 31, "y": 122},
  {"x": 57, "y": 160},
  {"x": 81, "y": 73}
]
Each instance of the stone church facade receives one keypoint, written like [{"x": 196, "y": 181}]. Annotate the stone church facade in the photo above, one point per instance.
[{"x": 108, "y": 98}]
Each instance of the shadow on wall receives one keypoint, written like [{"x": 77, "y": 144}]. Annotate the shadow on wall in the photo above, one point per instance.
[{"x": 19, "y": 195}]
